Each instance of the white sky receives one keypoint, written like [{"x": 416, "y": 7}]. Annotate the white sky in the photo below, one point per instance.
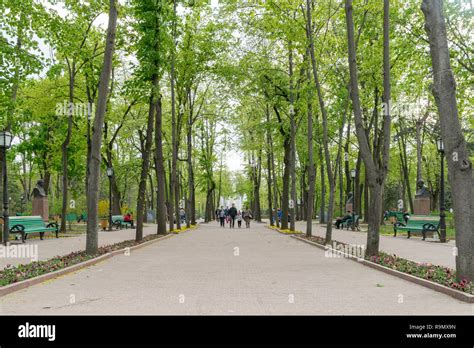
[{"x": 234, "y": 161}]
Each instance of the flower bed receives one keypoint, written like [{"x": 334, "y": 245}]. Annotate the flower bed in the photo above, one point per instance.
[
  {"x": 284, "y": 231},
  {"x": 438, "y": 274},
  {"x": 13, "y": 274},
  {"x": 183, "y": 229}
]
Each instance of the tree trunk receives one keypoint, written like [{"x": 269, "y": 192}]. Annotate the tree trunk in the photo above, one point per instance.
[
  {"x": 375, "y": 170},
  {"x": 174, "y": 187},
  {"x": 269, "y": 169},
  {"x": 92, "y": 241},
  {"x": 286, "y": 184},
  {"x": 322, "y": 217},
  {"x": 459, "y": 165},
  {"x": 65, "y": 147},
  {"x": 292, "y": 141},
  {"x": 191, "y": 208},
  {"x": 322, "y": 106},
  {"x": 311, "y": 169},
  {"x": 160, "y": 171}
]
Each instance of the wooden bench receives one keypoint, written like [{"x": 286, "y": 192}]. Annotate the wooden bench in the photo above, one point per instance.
[
  {"x": 418, "y": 224},
  {"x": 24, "y": 225},
  {"x": 348, "y": 223},
  {"x": 118, "y": 221}
]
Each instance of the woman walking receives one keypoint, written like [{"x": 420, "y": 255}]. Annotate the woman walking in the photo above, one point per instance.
[
  {"x": 222, "y": 216},
  {"x": 239, "y": 219},
  {"x": 247, "y": 215}
]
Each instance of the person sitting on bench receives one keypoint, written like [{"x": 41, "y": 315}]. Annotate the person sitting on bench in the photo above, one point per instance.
[
  {"x": 340, "y": 220},
  {"x": 128, "y": 218},
  {"x": 406, "y": 216}
]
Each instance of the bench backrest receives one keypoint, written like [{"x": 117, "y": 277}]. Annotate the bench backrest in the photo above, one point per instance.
[
  {"x": 26, "y": 221},
  {"x": 420, "y": 220},
  {"x": 71, "y": 217},
  {"x": 424, "y": 217},
  {"x": 117, "y": 218}
]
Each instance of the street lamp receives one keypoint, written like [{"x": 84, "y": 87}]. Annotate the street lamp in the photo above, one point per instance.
[
  {"x": 5, "y": 143},
  {"x": 110, "y": 174},
  {"x": 353, "y": 175},
  {"x": 442, "y": 215}
]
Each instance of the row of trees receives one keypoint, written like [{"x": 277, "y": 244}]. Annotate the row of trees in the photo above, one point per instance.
[
  {"x": 163, "y": 91},
  {"x": 354, "y": 67}
]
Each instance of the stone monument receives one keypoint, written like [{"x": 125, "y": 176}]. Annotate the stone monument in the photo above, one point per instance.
[
  {"x": 40, "y": 201},
  {"x": 350, "y": 202},
  {"x": 421, "y": 205}
]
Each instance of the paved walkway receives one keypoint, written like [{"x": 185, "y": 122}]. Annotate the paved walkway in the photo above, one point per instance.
[
  {"x": 222, "y": 271},
  {"x": 413, "y": 249},
  {"x": 50, "y": 247}
]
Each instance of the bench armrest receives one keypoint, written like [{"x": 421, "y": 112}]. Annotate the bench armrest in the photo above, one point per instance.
[
  {"x": 17, "y": 229},
  {"x": 430, "y": 227},
  {"x": 53, "y": 224}
]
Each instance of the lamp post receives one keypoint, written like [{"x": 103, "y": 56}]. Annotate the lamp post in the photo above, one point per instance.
[
  {"x": 110, "y": 173},
  {"x": 442, "y": 215},
  {"x": 5, "y": 143},
  {"x": 353, "y": 175}
]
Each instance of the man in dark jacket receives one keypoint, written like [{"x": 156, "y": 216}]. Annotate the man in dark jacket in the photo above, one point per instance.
[{"x": 232, "y": 214}]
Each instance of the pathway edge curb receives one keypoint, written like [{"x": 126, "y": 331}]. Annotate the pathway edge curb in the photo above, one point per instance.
[
  {"x": 423, "y": 282},
  {"x": 5, "y": 290}
]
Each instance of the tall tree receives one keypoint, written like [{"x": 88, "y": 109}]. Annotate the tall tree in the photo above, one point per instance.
[
  {"x": 376, "y": 164},
  {"x": 457, "y": 155},
  {"x": 92, "y": 242}
]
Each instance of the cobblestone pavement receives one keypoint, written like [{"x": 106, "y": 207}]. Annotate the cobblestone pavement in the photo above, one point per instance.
[{"x": 213, "y": 270}]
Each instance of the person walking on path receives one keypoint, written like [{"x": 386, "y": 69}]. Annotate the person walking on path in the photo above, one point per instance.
[
  {"x": 279, "y": 214},
  {"x": 239, "y": 219},
  {"x": 247, "y": 215},
  {"x": 232, "y": 215},
  {"x": 222, "y": 216}
]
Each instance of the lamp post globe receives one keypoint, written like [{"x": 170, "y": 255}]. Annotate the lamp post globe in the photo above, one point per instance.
[{"x": 110, "y": 171}]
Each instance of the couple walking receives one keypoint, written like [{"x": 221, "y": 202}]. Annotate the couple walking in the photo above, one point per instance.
[{"x": 231, "y": 214}]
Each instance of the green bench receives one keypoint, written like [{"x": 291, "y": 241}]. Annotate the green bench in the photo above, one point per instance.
[
  {"x": 70, "y": 218},
  {"x": 348, "y": 223},
  {"x": 24, "y": 225},
  {"x": 397, "y": 216},
  {"x": 418, "y": 224},
  {"x": 118, "y": 221}
]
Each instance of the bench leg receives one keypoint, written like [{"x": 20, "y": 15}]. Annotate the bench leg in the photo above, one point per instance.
[
  {"x": 423, "y": 233},
  {"x": 41, "y": 235},
  {"x": 23, "y": 237},
  {"x": 57, "y": 236},
  {"x": 409, "y": 235}
]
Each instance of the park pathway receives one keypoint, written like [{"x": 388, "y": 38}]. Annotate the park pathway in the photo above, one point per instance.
[{"x": 211, "y": 270}]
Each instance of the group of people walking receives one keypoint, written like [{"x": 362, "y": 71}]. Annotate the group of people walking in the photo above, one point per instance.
[{"x": 229, "y": 215}]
